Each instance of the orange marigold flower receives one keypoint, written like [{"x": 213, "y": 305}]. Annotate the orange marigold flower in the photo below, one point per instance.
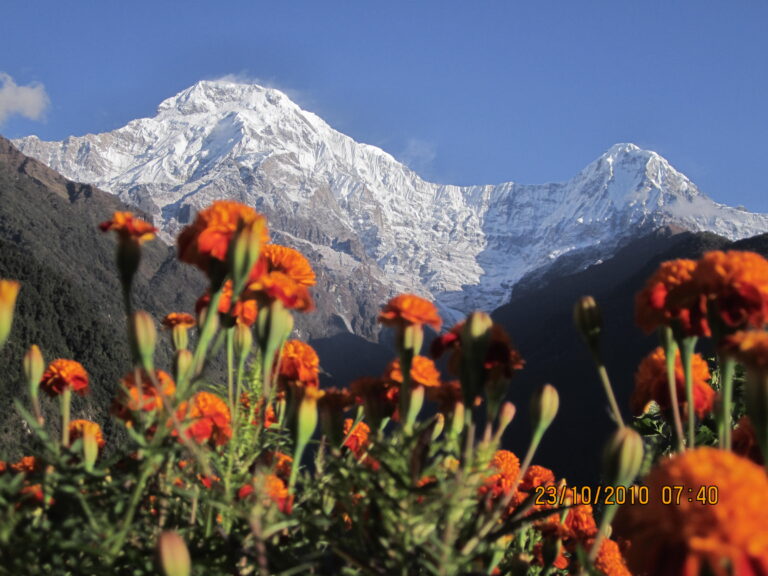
[
  {"x": 423, "y": 372},
  {"x": 62, "y": 374},
  {"x": 506, "y": 462},
  {"x": 406, "y": 309},
  {"x": 609, "y": 560},
  {"x": 143, "y": 396},
  {"x": 290, "y": 262},
  {"x": 357, "y": 437},
  {"x": 536, "y": 476},
  {"x": 651, "y": 384},
  {"x": 179, "y": 319},
  {"x": 652, "y": 307},
  {"x": 209, "y": 236},
  {"x": 207, "y": 418},
  {"x": 272, "y": 488},
  {"x": 26, "y": 465},
  {"x": 129, "y": 227},
  {"x": 32, "y": 493},
  {"x": 244, "y": 311},
  {"x": 744, "y": 441},
  {"x": 737, "y": 283},
  {"x": 502, "y": 359},
  {"x": 269, "y": 418},
  {"x": 750, "y": 347},
  {"x": 280, "y": 286},
  {"x": 580, "y": 522},
  {"x": 690, "y": 537},
  {"x": 446, "y": 396},
  {"x": 299, "y": 364},
  {"x": 79, "y": 428},
  {"x": 506, "y": 466},
  {"x": 561, "y": 562},
  {"x": 380, "y": 396}
]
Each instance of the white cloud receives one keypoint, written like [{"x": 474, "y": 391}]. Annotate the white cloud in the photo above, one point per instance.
[
  {"x": 418, "y": 155},
  {"x": 30, "y": 101}
]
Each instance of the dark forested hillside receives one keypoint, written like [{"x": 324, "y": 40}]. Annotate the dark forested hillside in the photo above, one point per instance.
[
  {"x": 539, "y": 318},
  {"x": 70, "y": 302}
]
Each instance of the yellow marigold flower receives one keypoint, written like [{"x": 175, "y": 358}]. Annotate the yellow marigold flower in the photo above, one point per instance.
[
  {"x": 651, "y": 383},
  {"x": 689, "y": 536},
  {"x": 207, "y": 418},
  {"x": 175, "y": 319},
  {"x": 209, "y": 236},
  {"x": 129, "y": 227},
  {"x": 299, "y": 364},
  {"x": 79, "y": 428},
  {"x": 62, "y": 374},
  {"x": 406, "y": 309},
  {"x": 423, "y": 372},
  {"x": 290, "y": 262}
]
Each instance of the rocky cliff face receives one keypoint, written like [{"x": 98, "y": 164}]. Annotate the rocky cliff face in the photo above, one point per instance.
[{"x": 369, "y": 224}]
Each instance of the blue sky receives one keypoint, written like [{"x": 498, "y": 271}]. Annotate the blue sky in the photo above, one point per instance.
[{"x": 465, "y": 92}]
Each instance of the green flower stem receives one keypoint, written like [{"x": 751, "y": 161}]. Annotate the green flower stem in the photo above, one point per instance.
[
  {"x": 132, "y": 506},
  {"x": 686, "y": 352},
  {"x": 209, "y": 325},
  {"x": 230, "y": 332},
  {"x": 727, "y": 367},
  {"x": 406, "y": 359},
  {"x": 606, "y": 382},
  {"x": 670, "y": 352},
  {"x": 605, "y": 524},
  {"x": 66, "y": 407}
]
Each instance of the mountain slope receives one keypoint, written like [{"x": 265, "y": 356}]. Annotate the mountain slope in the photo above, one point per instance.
[
  {"x": 540, "y": 320},
  {"x": 70, "y": 302},
  {"x": 358, "y": 213}
]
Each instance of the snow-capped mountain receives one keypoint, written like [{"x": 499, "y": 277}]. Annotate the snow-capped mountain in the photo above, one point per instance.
[{"x": 372, "y": 226}]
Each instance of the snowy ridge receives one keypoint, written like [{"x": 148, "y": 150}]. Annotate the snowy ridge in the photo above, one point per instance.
[{"x": 360, "y": 211}]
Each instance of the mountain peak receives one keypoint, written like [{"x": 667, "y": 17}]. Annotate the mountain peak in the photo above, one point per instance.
[
  {"x": 211, "y": 96},
  {"x": 361, "y": 214}
]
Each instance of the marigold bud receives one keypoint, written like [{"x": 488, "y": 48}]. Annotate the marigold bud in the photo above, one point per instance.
[
  {"x": 623, "y": 457},
  {"x": 588, "y": 319},
  {"x": 145, "y": 338},
  {"x": 9, "y": 290},
  {"x": 308, "y": 415},
  {"x": 544, "y": 405},
  {"x": 173, "y": 554},
  {"x": 90, "y": 448},
  {"x": 243, "y": 340},
  {"x": 34, "y": 366}
]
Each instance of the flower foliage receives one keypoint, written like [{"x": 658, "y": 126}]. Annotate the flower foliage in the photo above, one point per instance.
[{"x": 258, "y": 468}]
